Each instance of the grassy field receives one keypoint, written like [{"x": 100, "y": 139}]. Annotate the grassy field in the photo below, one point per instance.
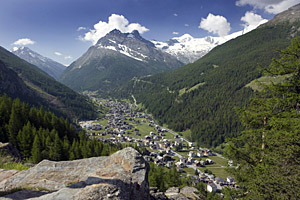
[
  {"x": 189, "y": 171},
  {"x": 184, "y": 90},
  {"x": 219, "y": 172},
  {"x": 186, "y": 134},
  {"x": 257, "y": 84},
  {"x": 102, "y": 122},
  {"x": 218, "y": 160}
]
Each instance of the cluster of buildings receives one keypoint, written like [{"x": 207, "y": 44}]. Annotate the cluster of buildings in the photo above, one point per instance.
[
  {"x": 217, "y": 183},
  {"x": 162, "y": 151}
]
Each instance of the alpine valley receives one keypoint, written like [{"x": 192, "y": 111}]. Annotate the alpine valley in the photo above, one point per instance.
[
  {"x": 189, "y": 118},
  {"x": 201, "y": 97}
]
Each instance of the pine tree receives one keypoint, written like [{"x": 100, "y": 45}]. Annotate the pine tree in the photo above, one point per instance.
[
  {"x": 268, "y": 151},
  {"x": 66, "y": 147},
  {"x": 48, "y": 151},
  {"x": 56, "y": 151},
  {"x": 36, "y": 151},
  {"x": 5, "y": 109},
  {"x": 33, "y": 118},
  {"x": 15, "y": 122},
  {"x": 25, "y": 139}
]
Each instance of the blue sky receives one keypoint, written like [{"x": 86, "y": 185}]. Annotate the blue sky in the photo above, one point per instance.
[{"x": 51, "y": 27}]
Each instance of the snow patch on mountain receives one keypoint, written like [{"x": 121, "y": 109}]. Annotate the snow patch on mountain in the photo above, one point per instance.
[
  {"x": 49, "y": 66},
  {"x": 124, "y": 50},
  {"x": 188, "y": 49}
]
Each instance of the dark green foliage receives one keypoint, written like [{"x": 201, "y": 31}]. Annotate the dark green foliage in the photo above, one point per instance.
[
  {"x": 163, "y": 178},
  {"x": 25, "y": 139},
  {"x": 36, "y": 150},
  {"x": 221, "y": 76},
  {"x": 39, "y": 134},
  {"x": 19, "y": 79},
  {"x": 268, "y": 151}
]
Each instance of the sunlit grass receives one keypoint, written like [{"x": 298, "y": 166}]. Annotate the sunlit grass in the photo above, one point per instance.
[{"x": 6, "y": 164}]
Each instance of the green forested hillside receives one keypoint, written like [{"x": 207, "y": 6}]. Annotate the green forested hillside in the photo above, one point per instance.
[
  {"x": 21, "y": 79},
  {"x": 107, "y": 72},
  {"x": 38, "y": 134},
  {"x": 202, "y": 96},
  {"x": 268, "y": 150},
  {"x": 101, "y": 69}
]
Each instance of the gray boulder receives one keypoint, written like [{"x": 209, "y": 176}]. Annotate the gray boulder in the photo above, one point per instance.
[{"x": 123, "y": 175}]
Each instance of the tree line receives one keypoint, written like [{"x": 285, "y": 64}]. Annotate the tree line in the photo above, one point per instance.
[{"x": 39, "y": 134}]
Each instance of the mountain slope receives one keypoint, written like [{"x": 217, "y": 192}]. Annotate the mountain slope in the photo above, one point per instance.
[
  {"x": 13, "y": 85},
  {"x": 202, "y": 96},
  {"x": 115, "y": 59},
  {"x": 32, "y": 85},
  {"x": 49, "y": 66}
]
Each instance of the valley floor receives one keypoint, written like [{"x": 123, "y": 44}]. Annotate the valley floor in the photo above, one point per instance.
[{"x": 123, "y": 124}]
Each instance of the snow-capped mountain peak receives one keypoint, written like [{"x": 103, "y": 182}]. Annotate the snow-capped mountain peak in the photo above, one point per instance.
[
  {"x": 188, "y": 49},
  {"x": 184, "y": 38},
  {"x": 131, "y": 45},
  {"x": 51, "y": 67}
]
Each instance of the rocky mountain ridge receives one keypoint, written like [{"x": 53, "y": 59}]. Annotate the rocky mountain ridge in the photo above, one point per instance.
[
  {"x": 291, "y": 16},
  {"x": 116, "y": 59},
  {"x": 48, "y": 65},
  {"x": 134, "y": 46}
]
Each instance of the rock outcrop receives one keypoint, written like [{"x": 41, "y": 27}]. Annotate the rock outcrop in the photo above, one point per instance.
[
  {"x": 123, "y": 175},
  {"x": 174, "y": 193}
]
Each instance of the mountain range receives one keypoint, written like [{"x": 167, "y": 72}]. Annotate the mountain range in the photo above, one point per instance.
[
  {"x": 48, "y": 65},
  {"x": 20, "y": 79},
  {"x": 115, "y": 59},
  {"x": 188, "y": 49},
  {"x": 200, "y": 98}
]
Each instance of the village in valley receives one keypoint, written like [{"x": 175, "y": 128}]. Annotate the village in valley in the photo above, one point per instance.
[{"x": 123, "y": 124}]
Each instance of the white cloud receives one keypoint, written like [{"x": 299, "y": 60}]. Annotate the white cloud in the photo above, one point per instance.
[
  {"x": 215, "y": 24},
  {"x": 175, "y": 33},
  {"x": 23, "y": 42},
  {"x": 175, "y": 14},
  {"x": 252, "y": 21},
  {"x": 81, "y": 28},
  {"x": 15, "y": 48},
  {"x": 68, "y": 57},
  {"x": 58, "y": 53},
  {"x": 270, "y": 6},
  {"x": 114, "y": 22},
  {"x": 186, "y": 25}
]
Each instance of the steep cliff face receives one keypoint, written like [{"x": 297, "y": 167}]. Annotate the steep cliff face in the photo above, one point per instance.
[{"x": 123, "y": 175}]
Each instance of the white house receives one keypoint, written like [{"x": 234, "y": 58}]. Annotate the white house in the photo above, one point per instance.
[
  {"x": 192, "y": 154},
  {"x": 200, "y": 154},
  {"x": 191, "y": 144},
  {"x": 230, "y": 180},
  {"x": 211, "y": 187}
]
